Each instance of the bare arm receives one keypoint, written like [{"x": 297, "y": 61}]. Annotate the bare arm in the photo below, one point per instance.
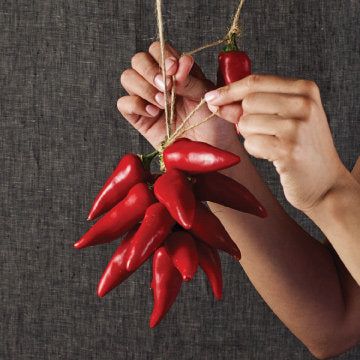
[
  {"x": 294, "y": 273},
  {"x": 338, "y": 216}
]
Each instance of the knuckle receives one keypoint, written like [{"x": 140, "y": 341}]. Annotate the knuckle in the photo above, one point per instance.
[
  {"x": 243, "y": 123},
  {"x": 314, "y": 88},
  {"x": 290, "y": 128},
  {"x": 252, "y": 80},
  {"x": 281, "y": 166},
  {"x": 247, "y": 145},
  {"x": 241, "y": 127},
  {"x": 125, "y": 76},
  {"x": 224, "y": 90},
  {"x": 248, "y": 101},
  {"x": 304, "y": 105},
  {"x": 308, "y": 87},
  {"x": 250, "y": 144},
  {"x": 138, "y": 59}
]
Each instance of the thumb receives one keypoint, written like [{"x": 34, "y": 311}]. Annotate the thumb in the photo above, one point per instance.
[
  {"x": 231, "y": 112},
  {"x": 188, "y": 85}
]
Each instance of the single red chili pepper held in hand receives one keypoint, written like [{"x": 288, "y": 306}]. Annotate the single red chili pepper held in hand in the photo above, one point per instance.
[
  {"x": 209, "y": 261},
  {"x": 154, "y": 229},
  {"x": 115, "y": 272},
  {"x": 181, "y": 247},
  {"x": 166, "y": 284},
  {"x": 120, "y": 219},
  {"x": 208, "y": 228},
  {"x": 233, "y": 65},
  {"x": 221, "y": 189},
  {"x": 197, "y": 157},
  {"x": 128, "y": 173},
  {"x": 174, "y": 190}
]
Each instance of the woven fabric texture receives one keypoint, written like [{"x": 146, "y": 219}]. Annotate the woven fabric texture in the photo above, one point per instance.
[{"x": 61, "y": 135}]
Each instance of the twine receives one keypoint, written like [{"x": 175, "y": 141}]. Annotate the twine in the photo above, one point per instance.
[
  {"x": 179, "y": 130},
  {"x": 172, "y": 104},
  {"x": 234, "y": 29},
  {"x": 162, "y": 47},
  {"x": 169, "y": 116}
]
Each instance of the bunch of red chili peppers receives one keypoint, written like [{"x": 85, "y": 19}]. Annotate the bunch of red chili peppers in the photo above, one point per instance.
[{"x": 164, "y": 215}]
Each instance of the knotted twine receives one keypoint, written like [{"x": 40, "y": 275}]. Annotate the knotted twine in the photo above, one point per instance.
[{"x": 234, "y": 30}]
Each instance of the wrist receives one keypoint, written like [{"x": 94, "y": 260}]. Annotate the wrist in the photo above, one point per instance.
[{"x": 333, "y": 204}]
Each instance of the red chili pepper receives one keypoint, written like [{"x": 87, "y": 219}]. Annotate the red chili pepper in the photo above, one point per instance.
[
  {"x": 115, "y": 272},
  {"x": 208, "y": 228},
  {"x": 174, "y": 190},
  {"x": 197, "y": 157},
  {"x": 221, "y": 189},
  {"x": 166, "y": 284},
  {"x": 209, "y": 261},
  {"x": 234, "y": 65},
  {"x": 155, "y": 227},
  {"x": 182, "y": 249},
  {"x": 120, "y": 219},
  {"x": 128, "y": 172}
]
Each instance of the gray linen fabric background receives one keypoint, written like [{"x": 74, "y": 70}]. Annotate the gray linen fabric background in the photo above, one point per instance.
[{"x": 61, "y": 136}]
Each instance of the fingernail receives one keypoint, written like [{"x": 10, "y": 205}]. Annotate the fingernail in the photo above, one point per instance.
[
  {"x": 169, "y": 63},
  {"x": 152, "y": 110},
  {"x": 159, "y": 82},
  {"x": 213, "y": 108},
  {"x": 211, "y": 95},
  {"x": 159, "y": 97}
]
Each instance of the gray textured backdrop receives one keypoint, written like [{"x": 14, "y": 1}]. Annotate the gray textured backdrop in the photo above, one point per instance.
[{"x": 61, "y": 135}]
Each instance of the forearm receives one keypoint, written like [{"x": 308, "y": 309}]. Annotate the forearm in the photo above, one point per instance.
[
  {"x": 338, "y": 216},
  {"x": 294, "y": 273}
]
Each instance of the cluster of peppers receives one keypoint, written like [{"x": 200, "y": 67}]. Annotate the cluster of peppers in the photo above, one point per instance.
[{"x": 164, "y": 215}]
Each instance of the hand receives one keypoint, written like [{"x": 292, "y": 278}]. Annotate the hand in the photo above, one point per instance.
[
  {"x": 283, "y": 121},
  {"x": 143, "y": 107}
]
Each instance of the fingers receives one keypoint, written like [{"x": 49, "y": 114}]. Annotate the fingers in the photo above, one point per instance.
[
  {"x": 263, "y": 124},
  {"x": 171, "y": 56},
  {"x": 190, "y": 81},
  {"x": 135, "y": 84},
  {"x": 231, "y": 112},
  {"x": 188, "y": 85},
  {"x": 145, "y": 65},
  {"x": 238, "y": 90},
  {"x": 285, "y": 105},
  {"x": 131, "y": 107},
  {"x": 264, "y": 147},
  {"x": 141, "y": 115},
  {"x": 186, "y": 63}
]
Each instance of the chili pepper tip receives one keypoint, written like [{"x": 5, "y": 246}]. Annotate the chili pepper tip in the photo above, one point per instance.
[
  {"x": 100, "y": 292},
  {"x": 153, "y": 322},
  {"x": 79, "y": 244},
  {"x": 91, "y": 215}
]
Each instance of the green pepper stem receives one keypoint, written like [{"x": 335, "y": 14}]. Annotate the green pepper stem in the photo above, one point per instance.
[
  {"x": 231, "y": 43},
  {"x": 148, "y": 158}
]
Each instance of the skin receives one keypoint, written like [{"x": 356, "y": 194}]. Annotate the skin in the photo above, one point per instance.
[
  {"x": 283, "y": 121},
  {"x": 303, "y": 281}
]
